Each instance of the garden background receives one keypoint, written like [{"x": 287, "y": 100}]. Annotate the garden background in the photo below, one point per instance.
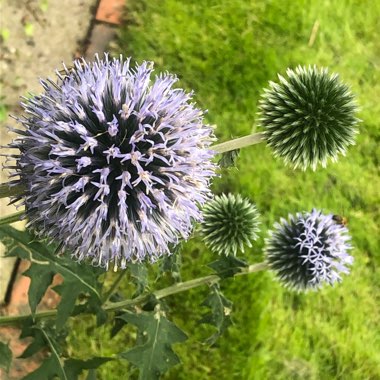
[{"x": 227, "y": 51}]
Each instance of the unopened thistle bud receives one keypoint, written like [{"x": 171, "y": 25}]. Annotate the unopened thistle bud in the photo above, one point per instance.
[
  {"x": 308, "y": 250},
  {"x": 229, "y": 222},
  {"x": 308, "y": 117}
]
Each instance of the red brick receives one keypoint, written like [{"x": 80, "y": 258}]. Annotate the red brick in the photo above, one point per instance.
[{"x": 110, "y": 11}]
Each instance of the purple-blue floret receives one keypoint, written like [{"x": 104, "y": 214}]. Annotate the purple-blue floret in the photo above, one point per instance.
[
  {"x": 115, "y": 165},
  {"x": 308, "y": 250}
]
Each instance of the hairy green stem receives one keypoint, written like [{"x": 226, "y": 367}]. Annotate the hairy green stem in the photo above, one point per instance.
[
  {"x": 16, "y": 217},
  {"x": 241, "y": 142},
  {"x": 158, "y": 294}
]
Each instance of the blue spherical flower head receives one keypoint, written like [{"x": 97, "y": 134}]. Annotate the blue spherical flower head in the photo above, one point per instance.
[
  {"x": 115, "y": 164},
  {"x": 308, "y": 250}
]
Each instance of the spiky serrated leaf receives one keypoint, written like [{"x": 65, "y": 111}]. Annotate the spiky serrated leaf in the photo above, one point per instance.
[
  {"x": 155, "y": 356},
  {"x": 227, "y": 266},
  {"x": 41, "y": 279},
  {"x": 77, "y": 279},
  {"x": 91, "y": 374},
  {"x": 219, "y": 315},
  {"x": 45, "y": 336},
  {"x": 49, "y": 370},
  {"x": 228, "y": 159},
  {"x": 139, "y": 273},
  {"x": 172, "y": 264},
  {"x": 5, "y": 356},
  {"x": 74, "y": 367}
]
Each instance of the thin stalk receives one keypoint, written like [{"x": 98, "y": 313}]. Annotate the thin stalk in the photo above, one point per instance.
[
  {"x": 16, "y": 217},
  {"x": 241, "y": 142},
  {"x": 114, "y": 286},
  {"x": 159, "y": 294}
]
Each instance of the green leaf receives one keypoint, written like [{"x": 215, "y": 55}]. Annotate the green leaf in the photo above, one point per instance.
[
  {"x": 228, "y": 266},
  {"x": 45, "y": 336},
  {"x": 40, "y": 281},
  {"x": 78, "y": 279},
  {"x": 139, "y": 273},
  {"x": 172, "y": 264},
  {"x": 219, "y": 315},
  {"x": 117, "y": 323},
  {"x": 155, "y": 356},
  {"x": 74, "y": 367},
  {"x": 50, "y": 369},
  {"x": 5, "y": 356},
  {"x": 228, "y": 159}
]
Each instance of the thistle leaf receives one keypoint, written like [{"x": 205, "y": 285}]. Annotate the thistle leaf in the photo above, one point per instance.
[
  {"x": 46, "y": 336},
  {"x": 227, "y": 266},
  {"x": 172, "y": 264},
  {"x": 139, "y": 273},
  {"x": 228, "y": 159},
  {"x": 47, "y": 371},
  {"x": 155, "y": 356},
  {"x": 77, "y": 279},
  {"x": 219, "y": 315},
  {"x": 74, "y": 367},
  {"x": 5, "y": 356}
]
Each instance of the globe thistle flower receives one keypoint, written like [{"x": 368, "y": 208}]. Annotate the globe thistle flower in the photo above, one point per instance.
[
  {"x": 308, "y": 250},
  {"x": 229, "y": 222},
  {"x": 115, "y": 165},
  {"x": 308, "y": 117}
]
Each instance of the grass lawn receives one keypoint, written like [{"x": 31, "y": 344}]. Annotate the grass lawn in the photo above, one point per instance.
[{"x": 227, "y": 51}]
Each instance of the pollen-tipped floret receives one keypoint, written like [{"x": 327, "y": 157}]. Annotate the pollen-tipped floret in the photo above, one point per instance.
[
  {"x": 229, "y": 222},
  {"x": 308, "y": 117},
  {"x": 115, "y": 164},
  {"x": 308, "y": 250}
]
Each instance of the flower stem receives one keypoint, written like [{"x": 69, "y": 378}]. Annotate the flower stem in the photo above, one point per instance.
[
  {"x": 16, "y": 217},
  {"x": 241, "y": 142},
  {"x": 159, "y": 294}
]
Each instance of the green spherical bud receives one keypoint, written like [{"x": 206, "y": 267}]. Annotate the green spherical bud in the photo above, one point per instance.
[
  {"x": 229, "y": 223},
  {"x": 308, "y": 117}
]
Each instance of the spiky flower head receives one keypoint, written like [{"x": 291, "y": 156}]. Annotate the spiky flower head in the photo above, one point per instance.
[
  {"x": 308, "y": 117},
  {"x": 229, "y": 222},
  {"x": 308, "y": 250},
  {"x": 115, "y": 164}
]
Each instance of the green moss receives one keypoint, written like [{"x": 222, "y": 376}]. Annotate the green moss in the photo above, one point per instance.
[{"x": 226, "y": 51}]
